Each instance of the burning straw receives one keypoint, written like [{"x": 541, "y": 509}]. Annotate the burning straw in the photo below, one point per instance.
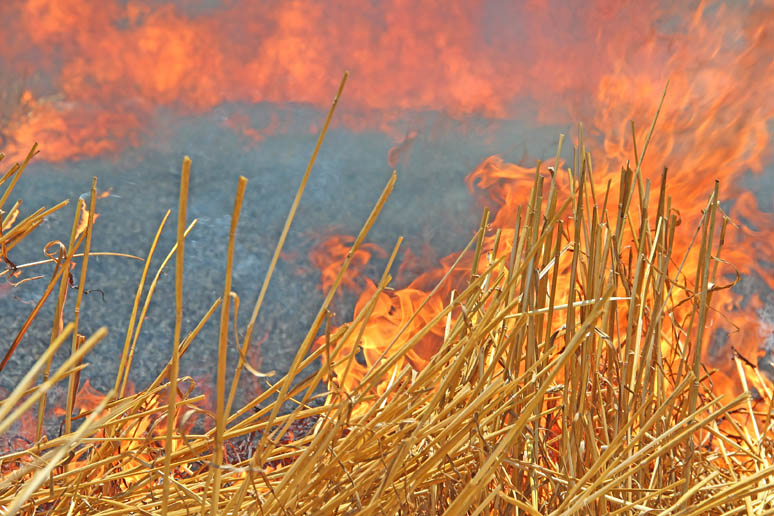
[{"x": 537, "y": 399}]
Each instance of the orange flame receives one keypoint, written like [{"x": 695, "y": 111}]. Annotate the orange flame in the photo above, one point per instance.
[
  {"x": 146, "y": 429},
  {"x": 112, "y": 64},
  {"x": 713, "y": 126},
  {"x": 329, "y": 254}
]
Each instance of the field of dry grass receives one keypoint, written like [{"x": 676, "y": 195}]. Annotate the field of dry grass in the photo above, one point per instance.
[{"x": 590, "y": 399}]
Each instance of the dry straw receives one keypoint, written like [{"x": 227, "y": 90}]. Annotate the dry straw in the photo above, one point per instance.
[{"x": 589, "y": 402}]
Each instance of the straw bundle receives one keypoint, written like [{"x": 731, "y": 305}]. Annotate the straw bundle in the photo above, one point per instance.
[{"x": 533, "y": 404}]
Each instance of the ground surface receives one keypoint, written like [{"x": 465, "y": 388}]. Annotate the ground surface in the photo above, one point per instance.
[{"x": 431, "y": 205}]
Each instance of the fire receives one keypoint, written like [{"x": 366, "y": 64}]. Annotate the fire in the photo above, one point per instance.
[
  {"x": 88, "y": 398},
  {"x": 329, "y": 254},
  {"x": 104, "y": 70},
  {"x": 143, "y": 429},
  {"x": 111, "y": 65},
  {"x": 397, "y": 314},
  {"x": 713, "y": 126}
]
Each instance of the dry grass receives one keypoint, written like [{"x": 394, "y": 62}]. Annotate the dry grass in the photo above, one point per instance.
[{"x": 591, "y": 403}]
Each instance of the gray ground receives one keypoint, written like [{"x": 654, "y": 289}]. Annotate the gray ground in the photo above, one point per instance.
[{"x": 431, "y": 204}]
